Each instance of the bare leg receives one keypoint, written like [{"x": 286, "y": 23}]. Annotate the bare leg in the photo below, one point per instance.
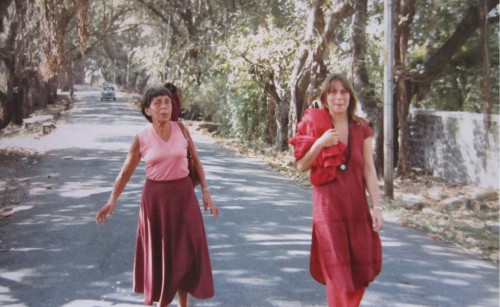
[{"x": 183, "y": 298}]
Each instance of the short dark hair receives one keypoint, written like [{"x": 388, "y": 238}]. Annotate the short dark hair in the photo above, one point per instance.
[
  {"x": 176, "y": 101},
  {"x": 151, "y": 94},
  {"x": 171, "y": 87}
]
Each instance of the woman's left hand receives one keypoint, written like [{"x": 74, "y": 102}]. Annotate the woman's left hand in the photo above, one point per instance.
[
  {"x": 378, "y": 219},
  {"x": 209, "y": 204}
]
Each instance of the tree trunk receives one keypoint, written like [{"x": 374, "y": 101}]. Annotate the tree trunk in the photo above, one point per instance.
[
  {"x": 272, "y": 125},
  {"x": 301, "y": 73},
  {"x": 13, "y": 106},
  {"x": 15, "y": 99},
  {"x": 279, "y": 106},
  {"x": 407, "y": 10},
  {"x": 485, "y": 63},
  {"x": 362, "y": 85},
  {"x": 5, "y": 117},
  {"x": 420, "y": 83},
  {"x": 4, "y": 5},
  {"x": 310, "y": 58},
  {"x": 282, "y": 110},
  {"x": 417, "y": 85}
]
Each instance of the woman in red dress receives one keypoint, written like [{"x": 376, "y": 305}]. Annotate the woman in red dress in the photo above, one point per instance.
[
  {"x": 336, "y": 145},
  {"x": 171, "y": 249}
]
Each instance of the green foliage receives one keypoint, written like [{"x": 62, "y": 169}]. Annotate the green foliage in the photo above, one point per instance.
[
  {"x": 251, "y": 62},
  {"x": 458, "y": 88},
  {"x": 434, "y": 22},
  {"x": 255, "y": 44},
  {"x": 224, "y": 57},
  {"x": 246, "y": 117}
]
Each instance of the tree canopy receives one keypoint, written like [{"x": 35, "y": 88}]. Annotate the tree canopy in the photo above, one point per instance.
[{"x": 252, "y": 66}]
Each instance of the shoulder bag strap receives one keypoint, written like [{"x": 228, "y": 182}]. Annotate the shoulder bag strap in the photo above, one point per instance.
[
  {"x": 188, "y": 139},
  {"x": 184, "y": 132}
]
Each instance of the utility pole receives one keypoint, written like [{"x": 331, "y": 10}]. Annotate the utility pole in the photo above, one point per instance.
[
  {"x": 167, "y": 53},
  {"x": 128, "y": 67},
  {"x": 388, "y": 103}
]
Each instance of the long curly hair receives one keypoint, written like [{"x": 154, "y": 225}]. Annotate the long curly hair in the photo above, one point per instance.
[{"x": 353, "y": 100}]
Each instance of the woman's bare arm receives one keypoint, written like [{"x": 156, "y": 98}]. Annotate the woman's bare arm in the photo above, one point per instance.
[
  {"x": 371, "y": 181},
  {"x": 207, "y": 197},
  {"x": 128, "y": 168}
]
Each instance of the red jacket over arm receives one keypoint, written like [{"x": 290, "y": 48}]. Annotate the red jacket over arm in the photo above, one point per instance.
[{"x": 312, "y": 126}]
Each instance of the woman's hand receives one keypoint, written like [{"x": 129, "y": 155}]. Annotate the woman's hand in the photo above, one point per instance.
[
  {"x": 329, "y": 138},
  {"x": 128, "y": 168},
  {"x": 209, "y": 204},
  {"x": 106, "y": 210},
  {"x": 378, "y": 219}
]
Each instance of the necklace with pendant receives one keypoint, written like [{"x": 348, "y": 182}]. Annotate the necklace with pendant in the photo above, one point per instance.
[{"x": 343, "y": 166}]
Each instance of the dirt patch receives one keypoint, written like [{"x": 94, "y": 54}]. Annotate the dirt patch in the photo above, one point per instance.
[
  {"x": 15, "y": 167},
  {"x": 465, "y": 216},
  {"x": 34, "y": 124},
  {"x": 16, "y": 163}
]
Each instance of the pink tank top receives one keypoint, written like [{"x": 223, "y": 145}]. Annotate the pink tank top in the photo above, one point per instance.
[{"x": 164, "y": 160}]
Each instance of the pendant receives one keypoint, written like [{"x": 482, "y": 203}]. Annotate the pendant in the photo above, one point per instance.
[{"x": 343, "y": 167}]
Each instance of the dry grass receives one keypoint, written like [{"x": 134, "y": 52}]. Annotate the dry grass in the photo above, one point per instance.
[{"x": 15, "y": 169}]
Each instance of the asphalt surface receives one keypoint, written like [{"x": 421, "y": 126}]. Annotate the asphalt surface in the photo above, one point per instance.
[{"x": 56, "y": 255}]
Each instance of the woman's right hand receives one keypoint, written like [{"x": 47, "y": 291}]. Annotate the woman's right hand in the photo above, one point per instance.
[
  {"x": 329, "y": 138},
  {"x": 106, "y": 210}
]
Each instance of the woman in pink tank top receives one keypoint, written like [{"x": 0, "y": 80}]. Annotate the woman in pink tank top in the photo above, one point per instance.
[{"x": 171, "y": 254}]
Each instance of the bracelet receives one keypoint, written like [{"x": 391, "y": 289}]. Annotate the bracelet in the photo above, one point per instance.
[
  {"x": 206, "y": 189},
  {"x": 378, "y": 208}
]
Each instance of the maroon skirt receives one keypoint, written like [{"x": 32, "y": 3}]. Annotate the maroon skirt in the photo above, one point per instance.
[{"x": 171, "y": 249}]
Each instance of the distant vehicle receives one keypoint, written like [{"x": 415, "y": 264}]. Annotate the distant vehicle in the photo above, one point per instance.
[{"x": 108, "y": 92}]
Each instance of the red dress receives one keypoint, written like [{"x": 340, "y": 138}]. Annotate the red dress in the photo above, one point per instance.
[{"x": 342, "y": 235}]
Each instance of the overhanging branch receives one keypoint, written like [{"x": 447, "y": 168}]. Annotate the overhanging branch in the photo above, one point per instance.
[{"x": 439, "y": 60}]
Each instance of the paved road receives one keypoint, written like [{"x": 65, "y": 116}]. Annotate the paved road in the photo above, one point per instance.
[{"x": 58, "y": 256}]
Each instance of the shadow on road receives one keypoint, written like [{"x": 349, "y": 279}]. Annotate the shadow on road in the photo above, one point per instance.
[{"x": 58, "y": 256}]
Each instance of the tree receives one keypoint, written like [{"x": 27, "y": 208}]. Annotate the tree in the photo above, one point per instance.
[
  {"x": 193, "y": 26},
  {"x": 16, "y": 58},
  {"x": 309, "y": 64},
  {"x": 32, "y": 75},
  {"x": 366, "y": 90},
  {"x": 253, "y": 66},
  {"x": 416, "y": 84},
  {"x": 259, "y": 62}
]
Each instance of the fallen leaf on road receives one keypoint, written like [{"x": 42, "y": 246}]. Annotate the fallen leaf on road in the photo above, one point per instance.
[{"x": 7, "y": 213}]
